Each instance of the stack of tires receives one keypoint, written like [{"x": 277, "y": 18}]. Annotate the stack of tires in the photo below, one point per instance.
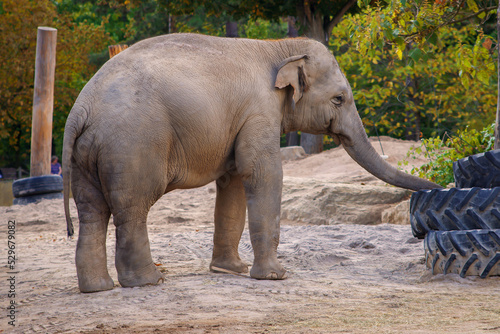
[
  {"x": 461, "y": 226},
  {"x": 34, "y": 189}
]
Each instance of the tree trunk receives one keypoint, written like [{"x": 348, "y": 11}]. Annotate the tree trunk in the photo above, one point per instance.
[
  {"x": 171, "y": 24},
  {"x": 43, "y": 101},
  {"x": 292, "y": 139},
  {"x": 497, "y": 124},
  {"x": 311, "y": 143},
  {"x": 231, "y": 29},
  {"x": 292, "y": 29},
  {"x": 315, "y": 29}
]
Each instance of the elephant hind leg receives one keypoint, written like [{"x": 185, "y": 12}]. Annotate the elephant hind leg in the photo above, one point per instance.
[
  {"x": 93, "y": 214},
  {"x": 134, "y": 181},
  {"x": 133, "y": 260},
  {"x": 230, "y": 211}
]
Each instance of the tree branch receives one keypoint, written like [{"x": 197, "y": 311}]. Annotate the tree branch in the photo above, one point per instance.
[
  {"x": 307, "y": 10},
  {"x": 473, "y": 15},
  {"x": 338, "y": 17},
  {"x": 465, "y": 18}
]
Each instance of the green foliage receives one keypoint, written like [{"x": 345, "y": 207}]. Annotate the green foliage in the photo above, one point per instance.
[
  {"x": 443, "y": 152},
  {"x": 124, "y": 20},
  {"x": 211, "y": 19},
  {"x": 414, "y": 93},
  {"x": 75, "y": 41},
  {"x": 262, "y": 29},
  {"x": 413, "y": 29},
  {"x": 199, "y": 21}
]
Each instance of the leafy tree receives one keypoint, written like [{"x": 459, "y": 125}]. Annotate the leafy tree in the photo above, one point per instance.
[
  {"x": 416, "y": 23},
  {"x": 75, "y": 41},
  {"x": 263, "y": 29},
  {"x": 405, "y": 97},
  {"x": 412, "y": 28},
  {"x": 126, "y": 21}
]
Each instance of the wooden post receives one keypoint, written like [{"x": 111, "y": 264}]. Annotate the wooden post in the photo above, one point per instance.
[
  {"x": 116, "y": 49},
  {"x": 43, "y": 101}
]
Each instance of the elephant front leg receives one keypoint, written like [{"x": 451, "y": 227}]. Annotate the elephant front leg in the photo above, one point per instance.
[
  {"x": 264, "y": 201},
  {"x": 133, "y": 260},
  {"x": 230, "y": 210}
]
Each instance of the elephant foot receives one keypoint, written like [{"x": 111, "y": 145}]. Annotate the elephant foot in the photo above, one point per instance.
[
  {"x": 271, "y": 270},
  {"x": 148, "y": 275},
  {"x": 95, "y": 284},
  {"x": 235, "y": 265}
]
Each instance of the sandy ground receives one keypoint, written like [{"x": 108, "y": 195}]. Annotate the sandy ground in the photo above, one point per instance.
[{"x": 343, "y": 278}]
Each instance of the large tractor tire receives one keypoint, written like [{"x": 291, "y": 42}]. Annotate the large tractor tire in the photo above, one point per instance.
[
  {"x": 45, "y": 184},
  {"x": 467, "y": 253},
  {"x": 454, "y": 209},
  {"x": 479, "y": 170}
]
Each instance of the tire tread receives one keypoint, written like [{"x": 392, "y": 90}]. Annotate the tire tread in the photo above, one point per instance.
[
  {"x": 479, "y": 170},
  {"x": 467, "y": 253},
  {"x": 454, "y": 209}
]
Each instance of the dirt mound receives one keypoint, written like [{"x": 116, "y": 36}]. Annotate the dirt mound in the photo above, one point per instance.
[
  {"x": 315, "y": 202},
  {"x": 336, "y": 165}
]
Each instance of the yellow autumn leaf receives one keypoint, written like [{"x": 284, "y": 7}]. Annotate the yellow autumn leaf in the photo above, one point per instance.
[
  {"x": 399, "y": 53},
  {"x": 484, "y": 77},
  {"x": 472, "y": 5}
]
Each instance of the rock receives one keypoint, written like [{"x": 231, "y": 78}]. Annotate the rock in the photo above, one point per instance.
[
  {"x": 291, "y": 153},
  {"x": 399, "y": 214},
  {"x": 315, "y": 202}
]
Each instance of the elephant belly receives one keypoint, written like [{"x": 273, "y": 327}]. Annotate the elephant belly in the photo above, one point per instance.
[{"x": 196, "y": 178}]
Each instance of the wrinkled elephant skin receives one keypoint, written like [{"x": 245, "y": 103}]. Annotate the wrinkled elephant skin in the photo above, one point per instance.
[{"x": 181, "y": 110}]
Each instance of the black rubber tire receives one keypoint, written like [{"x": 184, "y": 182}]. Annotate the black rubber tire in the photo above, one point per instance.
[
  {"x": 37, "y": 185},
  {"x": 36, "y": 198},
  {"x": 467, "y": 253},
  {"x": 454, "y": 209},
  {"x": 479, "y": 170}
]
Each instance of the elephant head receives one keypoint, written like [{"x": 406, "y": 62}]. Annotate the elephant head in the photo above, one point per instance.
[{"x": 320, "y": 101}]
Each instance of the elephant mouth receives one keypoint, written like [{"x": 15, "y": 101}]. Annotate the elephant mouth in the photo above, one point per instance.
[{"x": 336, "y": 138}]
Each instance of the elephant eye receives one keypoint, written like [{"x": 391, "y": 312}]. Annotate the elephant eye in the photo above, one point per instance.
[{"x": 338, "y": 99}]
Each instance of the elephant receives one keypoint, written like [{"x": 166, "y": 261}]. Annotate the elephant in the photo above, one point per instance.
[{"x": 181, "y": 110}]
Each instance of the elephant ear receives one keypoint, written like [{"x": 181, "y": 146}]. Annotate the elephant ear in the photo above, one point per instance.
[{"x": 291, "y": 72}]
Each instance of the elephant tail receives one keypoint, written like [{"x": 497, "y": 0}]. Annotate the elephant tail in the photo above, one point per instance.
[{"x": 72, "y": 130}]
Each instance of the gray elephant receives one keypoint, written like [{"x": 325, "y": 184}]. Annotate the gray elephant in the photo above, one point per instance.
[{"x": 181, "y": 110}]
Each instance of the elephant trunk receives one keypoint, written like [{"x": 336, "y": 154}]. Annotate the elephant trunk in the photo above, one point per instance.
[{"x": 355, "y": 141}]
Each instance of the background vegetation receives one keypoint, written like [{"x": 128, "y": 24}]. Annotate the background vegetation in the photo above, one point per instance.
[{"x": 417, "y": 68}]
